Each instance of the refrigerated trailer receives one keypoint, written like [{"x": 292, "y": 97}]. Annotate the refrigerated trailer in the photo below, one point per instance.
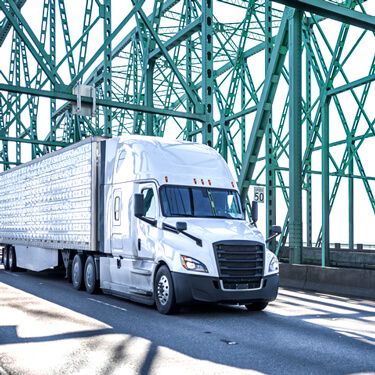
[{"x": 155, "y": 221}]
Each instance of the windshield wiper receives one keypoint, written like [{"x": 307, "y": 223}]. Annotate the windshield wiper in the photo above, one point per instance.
[{"x": 173, "y": 229}]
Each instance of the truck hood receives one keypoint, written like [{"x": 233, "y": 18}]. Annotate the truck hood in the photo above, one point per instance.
[{"x": 214, "y": 230}]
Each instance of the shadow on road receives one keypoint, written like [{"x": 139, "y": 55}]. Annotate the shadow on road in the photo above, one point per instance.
[{"x": 267, "y": 341}]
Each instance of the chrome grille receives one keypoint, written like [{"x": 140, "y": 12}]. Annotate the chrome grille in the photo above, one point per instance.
[{"x": 240, "y": 264}]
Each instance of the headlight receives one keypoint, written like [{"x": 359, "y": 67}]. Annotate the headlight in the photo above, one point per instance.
[
  {"x": 192, "y": 264},
  {"x": 274, "y": 265}
]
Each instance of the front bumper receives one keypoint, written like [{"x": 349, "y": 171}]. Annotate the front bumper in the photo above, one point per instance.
[{"x": 190, "y": 288}]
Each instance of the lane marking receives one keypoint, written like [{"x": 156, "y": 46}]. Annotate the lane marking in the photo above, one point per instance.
[
  {"x": 107, "y": 304},
  {"x": 11, "y": 273}
]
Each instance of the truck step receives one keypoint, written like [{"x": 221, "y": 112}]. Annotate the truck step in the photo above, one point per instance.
[{"x": 140, "y": 291}]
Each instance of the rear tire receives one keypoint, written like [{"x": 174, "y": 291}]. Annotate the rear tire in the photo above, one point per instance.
[
  {"x": 6, "y": 258},
  {"x": 257, "y": 306},
  {"x": 12, "y": 260},
  {"x": 77, "y": 272},
  {"x": 164, "y": 294},
  {"x": 91, "y": 282}
]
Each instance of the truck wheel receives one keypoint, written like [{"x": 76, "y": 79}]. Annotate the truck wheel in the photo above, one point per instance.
[
  {"x": 91, "y": 283},
  {"x": 257, "y": 306},
  {"x": 77, "y": 272},
  {"x": 165, "y": 299},
  {"x": 6, "y": 258},
  {"x": 12, "y": 260}
]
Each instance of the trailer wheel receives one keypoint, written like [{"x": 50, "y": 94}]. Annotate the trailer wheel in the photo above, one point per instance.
[
  {"x": 6, "y": 257},
  {"x": 91, "y": 282},
  {"x": 77, "y": 272},
  {"x": 257, "y": 306},
  {"x": 12, "y": 260},
  {"x": 165, "y": 299}
]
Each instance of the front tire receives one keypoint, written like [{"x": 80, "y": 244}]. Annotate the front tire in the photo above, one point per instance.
[
  {"x": 165, "y": 298},
  {"x": 77, "y": 272},
  {"x": 91, "y": 282},
  {"x": 257, "y": 306}
]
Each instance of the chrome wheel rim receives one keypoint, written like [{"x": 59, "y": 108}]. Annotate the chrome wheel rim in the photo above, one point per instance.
[
  {"x": 10, "y": 258},
  {"x": 163, "y": 290},
  {"x": 75, "y": 272},
  {"x": 89, "y": 275}
]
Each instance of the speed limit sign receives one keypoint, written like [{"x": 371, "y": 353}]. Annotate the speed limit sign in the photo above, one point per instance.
[{"x": 259, "y": 194}]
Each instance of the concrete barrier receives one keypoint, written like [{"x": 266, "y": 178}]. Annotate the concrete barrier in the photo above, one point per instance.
[{"x": 345, "y": 281}]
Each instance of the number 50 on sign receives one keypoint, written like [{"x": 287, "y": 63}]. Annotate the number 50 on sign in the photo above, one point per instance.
[{"x": 259, "y": 194}]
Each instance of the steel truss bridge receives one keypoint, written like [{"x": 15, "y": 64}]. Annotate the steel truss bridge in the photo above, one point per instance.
[{"x": 279, "y": 89}]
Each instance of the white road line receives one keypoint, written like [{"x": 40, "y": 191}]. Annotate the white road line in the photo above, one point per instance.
[
  {"x": 107, "y": 304},
  {"x": 12, "y": 274}
]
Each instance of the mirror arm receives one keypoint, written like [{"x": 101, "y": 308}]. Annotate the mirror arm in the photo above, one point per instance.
[{"x": 272, "y": 237}]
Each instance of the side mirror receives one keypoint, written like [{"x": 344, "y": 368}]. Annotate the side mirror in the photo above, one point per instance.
[
  {"x": 181, "y": 226},
  {"x": 254, "y": 211},
  {"x": 139, "y": 205},
  {"x": 276, "y": 229}
]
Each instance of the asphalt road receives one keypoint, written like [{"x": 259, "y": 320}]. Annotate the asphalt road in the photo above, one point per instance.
[{"x": 46, "y": 327}]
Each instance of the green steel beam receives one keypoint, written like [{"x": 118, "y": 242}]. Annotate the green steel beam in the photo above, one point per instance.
[
  {"x": 325, "y": 183},
  {"x": 351, "y": 85},
  {"x": 333, "y": 11},
  {"x": 107, "y": 61},
  {"x": 34, "y": 141},
  {"x": 108, "y": 40},
  {"x": 15, "y": 18},
  {"x": 270, "y": 156},
  {"x": 208, "y": 70},
  {"x": 100, "y": 102},
  {"x": 309, "y": 126},
  {"x": 264, "y": 107},
  {"x": 192, "y": 95},
  {"x": 6, "y": 25},
  {"x": 178, "y": 38},
  {"x": 295, "y": 137}
]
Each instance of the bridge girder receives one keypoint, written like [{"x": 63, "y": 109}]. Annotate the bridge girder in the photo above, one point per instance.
[{"x": 191, "y": 70}]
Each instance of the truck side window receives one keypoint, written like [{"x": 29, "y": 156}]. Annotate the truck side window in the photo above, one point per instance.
[{"x": 150, "y": 205}]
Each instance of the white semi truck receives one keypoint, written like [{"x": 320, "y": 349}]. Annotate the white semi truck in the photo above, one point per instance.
[{"x": 150, "y": 220}]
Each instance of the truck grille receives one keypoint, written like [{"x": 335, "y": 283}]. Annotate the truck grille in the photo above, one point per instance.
[{"x": 240, "y": 264}]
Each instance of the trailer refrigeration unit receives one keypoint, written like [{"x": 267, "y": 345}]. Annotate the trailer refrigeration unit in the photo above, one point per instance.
[{"x": 150, "y": 220}]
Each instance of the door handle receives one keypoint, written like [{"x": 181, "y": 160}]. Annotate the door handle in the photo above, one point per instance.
[{"x": 139, "y": 244}]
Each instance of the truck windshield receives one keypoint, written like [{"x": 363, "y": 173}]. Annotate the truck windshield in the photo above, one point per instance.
[{"x": 200, "y": 202}]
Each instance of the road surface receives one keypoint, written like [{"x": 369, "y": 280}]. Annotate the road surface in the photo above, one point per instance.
[{"x": 46, "y": 327}]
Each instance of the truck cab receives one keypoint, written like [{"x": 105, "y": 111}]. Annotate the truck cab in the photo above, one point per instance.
[{"x": 172, "y": 228}]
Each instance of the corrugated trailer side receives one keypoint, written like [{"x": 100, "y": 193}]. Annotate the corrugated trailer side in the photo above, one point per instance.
[{"x": 51, "y": 202}]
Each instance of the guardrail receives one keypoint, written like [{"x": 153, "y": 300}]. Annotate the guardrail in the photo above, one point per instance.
[{"x": 363, "y": 258}]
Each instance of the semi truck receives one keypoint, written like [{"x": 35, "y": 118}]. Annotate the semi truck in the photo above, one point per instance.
[{"x": 154, "y": 221}]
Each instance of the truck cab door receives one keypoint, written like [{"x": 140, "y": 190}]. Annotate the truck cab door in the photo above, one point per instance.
[
  {"x": 147, "y": 231},
  {"x": 119, "y": 269}
]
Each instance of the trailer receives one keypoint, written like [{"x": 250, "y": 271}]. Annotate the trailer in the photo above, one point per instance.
[{"x": 155, "y": 221}]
